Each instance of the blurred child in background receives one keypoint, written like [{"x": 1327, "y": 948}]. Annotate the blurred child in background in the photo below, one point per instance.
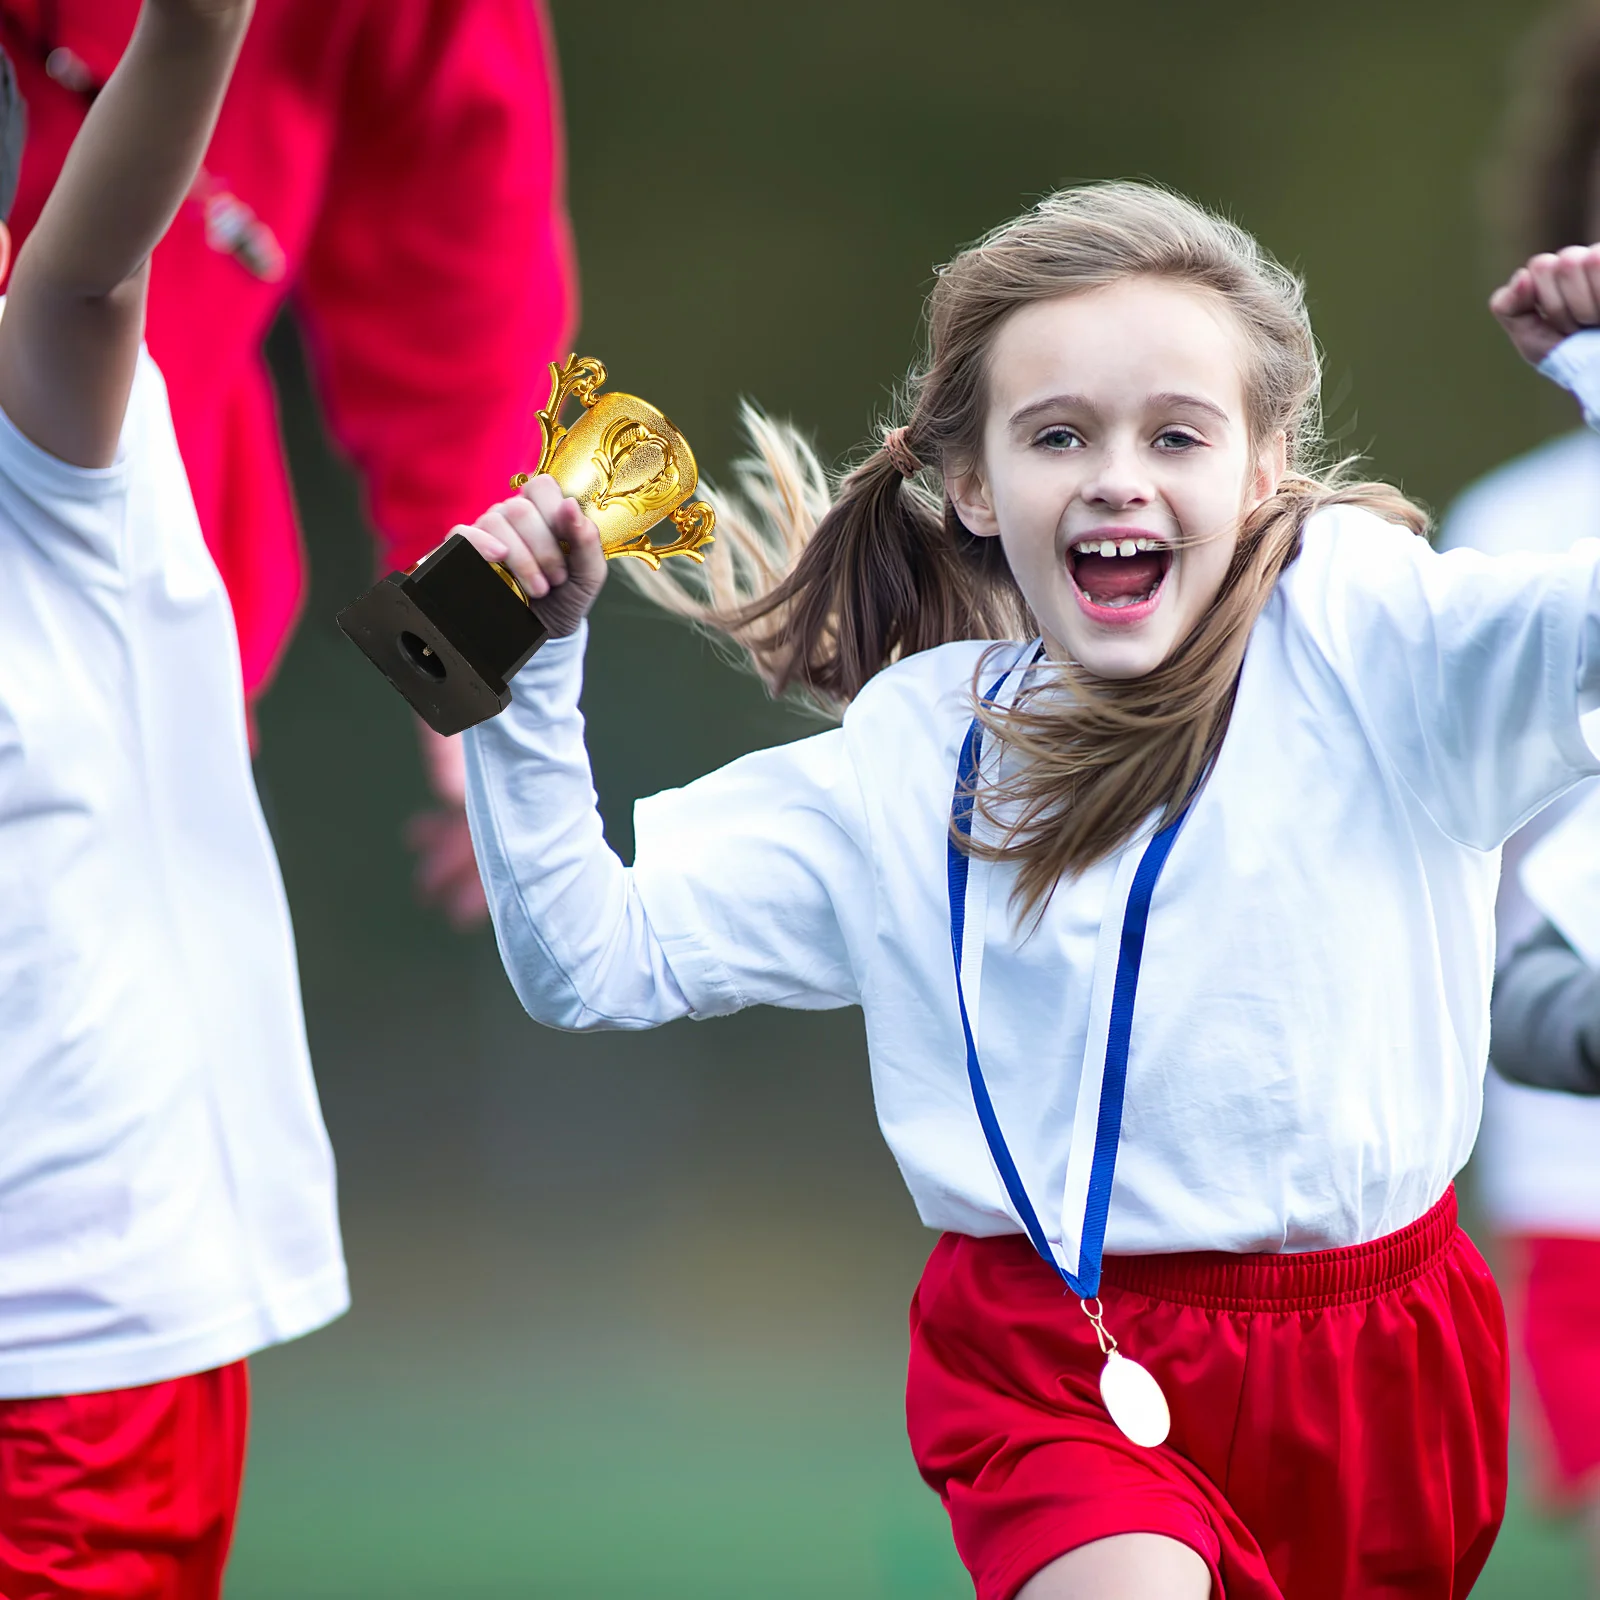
[
  {"x": 1171, "y": 916},
  {"x": 1537, "y": 1158},
  {"x": 166, "y": 1186},
  {"x": 1546, "y": 1032},
  {"x": 392, "y": 168}
]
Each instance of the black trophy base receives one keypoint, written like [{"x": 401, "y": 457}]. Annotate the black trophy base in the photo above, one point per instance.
[{"x": 449, "y": 635}]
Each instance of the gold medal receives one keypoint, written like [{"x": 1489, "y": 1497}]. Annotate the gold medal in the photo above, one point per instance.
[{"x": 1131, "y": 1396}]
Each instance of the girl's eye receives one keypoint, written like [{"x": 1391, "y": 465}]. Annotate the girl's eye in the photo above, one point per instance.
[
  {"x": 1176, "y": 440},
  {"x": 1058, "y": 438}
]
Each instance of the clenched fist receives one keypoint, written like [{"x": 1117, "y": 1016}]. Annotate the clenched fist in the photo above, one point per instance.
[
  {"x": 1550, "y": 298},
  {"x": 550, "y": 547}
]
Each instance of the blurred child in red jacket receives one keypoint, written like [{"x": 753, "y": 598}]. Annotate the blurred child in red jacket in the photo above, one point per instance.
[{"x": 393, "y": 167}]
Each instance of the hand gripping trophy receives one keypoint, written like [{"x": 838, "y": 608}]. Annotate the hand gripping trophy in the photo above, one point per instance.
[{"x": 451, "y": 633}]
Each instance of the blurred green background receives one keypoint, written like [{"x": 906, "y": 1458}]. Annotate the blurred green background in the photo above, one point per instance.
[{"x": 630, "y": 1310}]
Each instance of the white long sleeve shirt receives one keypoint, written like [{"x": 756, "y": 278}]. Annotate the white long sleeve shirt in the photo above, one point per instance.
[
  {"x": 1535, "y": 1158},
  {"x": 1312, "y": 1021},
  {"x": 166, "y": 1186}
]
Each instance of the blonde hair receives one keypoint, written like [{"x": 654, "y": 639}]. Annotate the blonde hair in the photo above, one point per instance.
[{"x": 822, "y": 586}]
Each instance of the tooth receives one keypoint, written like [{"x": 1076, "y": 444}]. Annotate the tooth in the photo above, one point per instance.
[
  {"x": 1108, "y": 547},
  {"x": 1129, "y": 547},
  {"x": 1143, "y": 546}
]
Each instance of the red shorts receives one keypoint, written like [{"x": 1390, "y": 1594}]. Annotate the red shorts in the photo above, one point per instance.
[
  {"x": 126, "y": 1495},
  {"x": 1338, "y": 1418},
  {"x": 1553, "y": 1295}
]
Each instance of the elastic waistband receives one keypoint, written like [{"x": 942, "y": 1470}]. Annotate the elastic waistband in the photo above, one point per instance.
[{"x": 1306, "y": 1281}]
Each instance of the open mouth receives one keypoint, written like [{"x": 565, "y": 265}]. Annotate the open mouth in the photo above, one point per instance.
[{"x": 1119, "y": 580}]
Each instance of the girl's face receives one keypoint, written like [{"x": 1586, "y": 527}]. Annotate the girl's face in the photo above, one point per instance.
[{"x": 1117, "y": 467}]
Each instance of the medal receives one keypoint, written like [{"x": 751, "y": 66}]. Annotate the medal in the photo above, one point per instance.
[
  {"x": 1129, "y": 1393},
  {"x": 1135, "y": 1401},
  {"x": 1131, "y": 1396}
]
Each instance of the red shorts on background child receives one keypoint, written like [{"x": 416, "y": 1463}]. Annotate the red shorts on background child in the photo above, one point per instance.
[
  {"x": 1552, "y": 1288},
  {"x": 126, "y": 1495}
]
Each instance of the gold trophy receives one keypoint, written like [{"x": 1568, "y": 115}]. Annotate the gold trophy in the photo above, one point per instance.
[{"x": 452, "y": 632}]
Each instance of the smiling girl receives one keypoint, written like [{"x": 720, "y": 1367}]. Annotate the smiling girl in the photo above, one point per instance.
[{"x": 1158, "y": 845}]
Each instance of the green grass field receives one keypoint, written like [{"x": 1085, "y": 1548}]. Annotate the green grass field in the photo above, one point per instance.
[
  {"x": 670, "y": 1482},
  {"x": 590, "y": 1475}
]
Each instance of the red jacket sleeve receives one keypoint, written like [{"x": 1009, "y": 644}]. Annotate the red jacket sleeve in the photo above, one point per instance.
[{"x": 439, "y": 282}]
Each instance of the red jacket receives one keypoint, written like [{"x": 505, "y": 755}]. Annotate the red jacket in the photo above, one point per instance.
[{"x": 407, "y": 156}]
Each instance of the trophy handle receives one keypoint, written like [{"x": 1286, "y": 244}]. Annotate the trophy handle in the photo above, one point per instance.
[
  {"x": 577, "y": 380},
  {"x": 694, "y": 523}
]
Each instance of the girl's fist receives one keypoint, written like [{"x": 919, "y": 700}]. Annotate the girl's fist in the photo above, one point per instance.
[
  {"x": 1551, "y": 297},
  {"x": 549, "y": 546}
]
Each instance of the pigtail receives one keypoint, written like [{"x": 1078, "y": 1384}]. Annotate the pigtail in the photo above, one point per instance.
[{"x": 820, "y": 589}]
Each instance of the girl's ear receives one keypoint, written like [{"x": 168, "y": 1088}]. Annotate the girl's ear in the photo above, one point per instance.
[
  {"x": 1270, "y": 467},
  {"x": 969, "y": 494}
]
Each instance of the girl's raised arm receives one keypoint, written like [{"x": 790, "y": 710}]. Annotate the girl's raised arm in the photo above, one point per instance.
[
  {"x": 751, "y": 886},
  {"x": 1474, "y": 673}
]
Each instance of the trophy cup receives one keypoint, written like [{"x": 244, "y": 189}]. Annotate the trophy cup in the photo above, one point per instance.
[{"x": 450, "y": 633}]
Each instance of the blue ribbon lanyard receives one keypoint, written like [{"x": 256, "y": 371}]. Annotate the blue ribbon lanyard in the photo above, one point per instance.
[{"x": 1086, "y": 1283}]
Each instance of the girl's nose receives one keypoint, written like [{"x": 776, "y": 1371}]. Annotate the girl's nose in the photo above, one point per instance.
[{"x": 1117, "y": 481}]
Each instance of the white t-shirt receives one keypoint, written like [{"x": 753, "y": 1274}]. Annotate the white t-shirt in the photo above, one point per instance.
[
  {"x": 1312, "y": 1023},
  {"x": 1537, "y": 1155},
  {"x": 166, "y": 1185}
]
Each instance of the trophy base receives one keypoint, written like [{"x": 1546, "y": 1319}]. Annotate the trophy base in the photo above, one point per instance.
[{"x": 448, "y": 635}]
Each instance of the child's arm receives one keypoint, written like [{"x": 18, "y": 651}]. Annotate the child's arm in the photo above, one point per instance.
[
  {"x": 69, "y": 340},
  {"x": 752, "y": 885},
  {"x": 1471, "y": 673},
  {"x": 1546, "y": 1016}
]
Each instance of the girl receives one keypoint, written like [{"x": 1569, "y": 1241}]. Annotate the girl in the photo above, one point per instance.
[{"x": 1158, "y": 845}]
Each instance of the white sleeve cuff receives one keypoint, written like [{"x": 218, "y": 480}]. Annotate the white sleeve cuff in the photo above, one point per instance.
[
  {"x": 550, "y": 683},
  {"x": 1575, "y": 365}
]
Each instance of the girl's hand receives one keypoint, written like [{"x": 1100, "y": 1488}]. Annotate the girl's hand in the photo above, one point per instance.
[
  {"x": 1550, "y": 298},
  {"x": 549, "y": 546}
]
